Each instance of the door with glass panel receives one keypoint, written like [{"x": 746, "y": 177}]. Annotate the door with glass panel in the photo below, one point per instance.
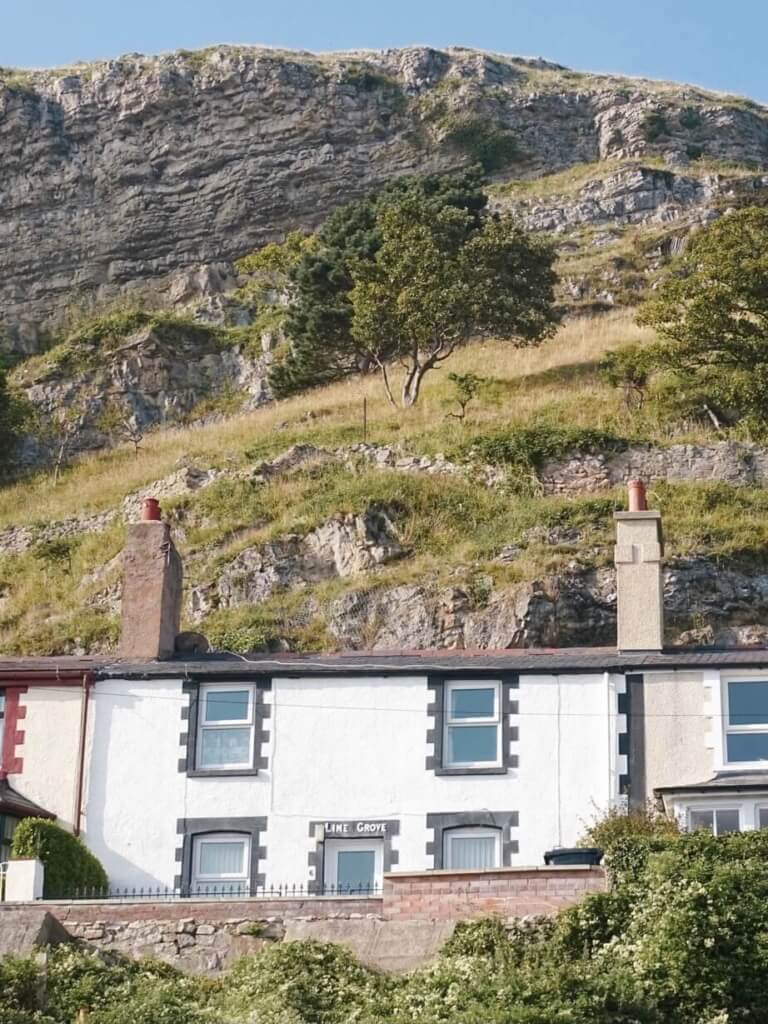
[
  {"x": 472, "y": 849},
  {"x": 353, "y": 865}
]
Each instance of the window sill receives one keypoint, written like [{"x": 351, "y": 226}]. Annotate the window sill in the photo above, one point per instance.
[
  {"x": 219, "y": 773},
  {"x": 496, "y": 770}
]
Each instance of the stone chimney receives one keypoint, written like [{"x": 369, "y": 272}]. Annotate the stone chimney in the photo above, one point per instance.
[
  {"x": 152, "y": 575},
  {"x": 639, "y": 585}
]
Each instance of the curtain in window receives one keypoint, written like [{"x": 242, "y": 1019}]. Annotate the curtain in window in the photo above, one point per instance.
[
  {"x": 225, "y": 858},
  {"x": 472, "y": 853}
]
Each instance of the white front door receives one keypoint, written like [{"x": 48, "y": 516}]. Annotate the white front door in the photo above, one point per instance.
[{"x": 353, "y": 865}]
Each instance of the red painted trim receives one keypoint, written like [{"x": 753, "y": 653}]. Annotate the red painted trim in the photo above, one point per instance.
[{"x": 13, "y": 737}]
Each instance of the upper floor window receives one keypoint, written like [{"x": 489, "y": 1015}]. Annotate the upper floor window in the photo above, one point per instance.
[
  {"x": 746, "y": 721},
  {"x": 472, "y": 849},
  {"x": 226, "y": 727},
  {"x": 473, "y": 725},
  {"x": 221, "y": 863}
]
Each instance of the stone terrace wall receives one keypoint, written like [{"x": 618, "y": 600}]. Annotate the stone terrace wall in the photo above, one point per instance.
[
  {"x": 507, "y": 892},
  {"x": 199, "y": 936}
]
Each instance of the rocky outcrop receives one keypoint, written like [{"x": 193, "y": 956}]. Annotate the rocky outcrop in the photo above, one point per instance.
[
  {"x": 148, "y": 174},
  {"x": 154, "y": 377},
  {"x": 733, "y": 462},
  {"x": 347, "y": 545}
]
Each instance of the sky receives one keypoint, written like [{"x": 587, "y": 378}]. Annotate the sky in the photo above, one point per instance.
[{"x": 716, "y": 44}]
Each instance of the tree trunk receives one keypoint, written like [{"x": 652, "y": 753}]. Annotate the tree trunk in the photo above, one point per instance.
[{"x": 387, "y": 388}]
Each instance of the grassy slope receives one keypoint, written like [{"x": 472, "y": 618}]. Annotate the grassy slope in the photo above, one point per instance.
[{"x": 448, "y": 522}]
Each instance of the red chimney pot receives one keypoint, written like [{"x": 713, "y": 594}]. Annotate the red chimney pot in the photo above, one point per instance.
[
  {"x": 150, "y": 510},
  {"x": 637, "y": 499}
]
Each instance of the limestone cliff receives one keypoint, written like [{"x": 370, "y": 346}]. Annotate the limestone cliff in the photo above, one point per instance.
[{"x": 150, "y": 174}]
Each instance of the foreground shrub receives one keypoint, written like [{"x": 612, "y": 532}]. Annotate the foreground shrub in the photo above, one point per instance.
[
  {"x": 69, "y": 865},
  {"x": 320, "y": 982}
]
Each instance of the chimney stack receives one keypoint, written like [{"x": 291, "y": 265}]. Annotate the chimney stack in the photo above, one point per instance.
[
  {"x": 152, "y": 575},
  {"x": 639, "y": 585}
]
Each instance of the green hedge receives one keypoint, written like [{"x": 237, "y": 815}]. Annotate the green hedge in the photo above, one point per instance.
[{"x": 70, "y": 867}]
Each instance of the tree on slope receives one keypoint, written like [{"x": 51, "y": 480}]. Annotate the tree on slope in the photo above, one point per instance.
[
  {"x": 13, "y": 414},
  {"x": 712, "y": 316},
  {"x": 318, "y": 325},
  {"x": 440, "y": 278}
]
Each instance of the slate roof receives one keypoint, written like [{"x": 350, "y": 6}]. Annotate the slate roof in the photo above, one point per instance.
[
  {"x": 725, "y": 782},
  {"x": 545, "y": 660},
  {"x": 14, "y": 803}
]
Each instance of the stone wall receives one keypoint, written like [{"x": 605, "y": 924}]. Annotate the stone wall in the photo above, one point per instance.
[
  {"x": 507, "y": 892},
  {"x": 199, "y": 936}
]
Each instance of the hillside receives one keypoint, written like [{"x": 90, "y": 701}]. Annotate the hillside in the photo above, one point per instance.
[{"x": 131, "y": 188}]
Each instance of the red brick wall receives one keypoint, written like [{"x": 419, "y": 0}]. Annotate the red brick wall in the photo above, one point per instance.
[{"x": 508, "y": 892}]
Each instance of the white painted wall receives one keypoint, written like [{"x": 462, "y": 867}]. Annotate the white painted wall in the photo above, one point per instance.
[
  {"x": 50, "y": 750},
  {"x": 352, "y": 747}
]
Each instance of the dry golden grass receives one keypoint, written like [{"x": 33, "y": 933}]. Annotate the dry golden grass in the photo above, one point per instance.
[{"x": 560, "y": 370}]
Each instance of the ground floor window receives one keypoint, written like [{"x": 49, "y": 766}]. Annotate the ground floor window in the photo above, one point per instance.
[
  {"x": 472, "y": 849},
  {"x": 220, "y": 864},
  {"x": 7, "y": 825},
  {"x": 353, "y": 865},
  {"x": 718, "y": 820}
]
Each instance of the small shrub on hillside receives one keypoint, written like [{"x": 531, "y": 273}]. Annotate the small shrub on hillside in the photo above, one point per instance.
[
  {"x": 617, "y": 825},
  {"x": 655, "y": 126},
  {"x": 70, "y": 867},
  {"x": 483, "y": 142},
  {"x": 629, "y": 368},
  {"x": 528, "y": 447}
]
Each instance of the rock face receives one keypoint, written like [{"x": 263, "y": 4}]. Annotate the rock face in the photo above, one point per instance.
[
  {"x": 347, "y": 545},
  {"x": 732, "y": 462},
  {"x": 152, "y": 174},
  {"x": 156, "y": 379}
]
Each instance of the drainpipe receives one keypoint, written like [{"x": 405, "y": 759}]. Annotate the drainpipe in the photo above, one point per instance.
[{"x": 81, "y": 755}]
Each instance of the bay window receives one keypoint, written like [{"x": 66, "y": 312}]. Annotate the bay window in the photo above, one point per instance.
[
  {"x": 226, "y": 727},
  {"x": 473, "y": 735},
  {"x": 718, "y": 820}
]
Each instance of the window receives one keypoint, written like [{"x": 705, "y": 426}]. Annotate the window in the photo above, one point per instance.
[
  {"x": 473, "y": 725},
  {"x": 746, "y": 721},
  {"x": 719, "y": 821},
  {"x": 7, "y": 824},
  {"x": 226, "y": 727},
  {"x": 221, "y": 864},
  {"x": 472, "y": 849},
  {"x": 2, "y": 724},
  {"x": 762, "y": 817}
]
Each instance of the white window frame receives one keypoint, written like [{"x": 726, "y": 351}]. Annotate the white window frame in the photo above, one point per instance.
[
  {"x": 240, "y": 880},
  {"x": 726, "y": 729},
  {"x": 238, "y": 723},
  {"x": 713, "y": 809},
  {"x": 335, "y": 846},
  {"x": 473, "y": 832},
  {"x": 459, "y": 723}
]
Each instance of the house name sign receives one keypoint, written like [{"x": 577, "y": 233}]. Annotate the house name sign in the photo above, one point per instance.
[{"x": 355, "y": 828}]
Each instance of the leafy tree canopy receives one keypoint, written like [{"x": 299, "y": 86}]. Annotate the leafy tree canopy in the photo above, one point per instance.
[
  {"x": 319, "y": 322},
  {"x": 440, "y": 277},
  {"x": 712, "y": 316}
]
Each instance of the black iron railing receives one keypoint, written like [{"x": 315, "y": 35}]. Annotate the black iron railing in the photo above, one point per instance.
[{"x": 302, "y": 890}]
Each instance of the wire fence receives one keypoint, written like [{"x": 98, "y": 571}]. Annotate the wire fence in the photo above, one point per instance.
[{"x": 300, "y": 891}]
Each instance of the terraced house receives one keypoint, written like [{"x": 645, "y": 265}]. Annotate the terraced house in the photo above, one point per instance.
[{"x": 209, "y": 772}]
